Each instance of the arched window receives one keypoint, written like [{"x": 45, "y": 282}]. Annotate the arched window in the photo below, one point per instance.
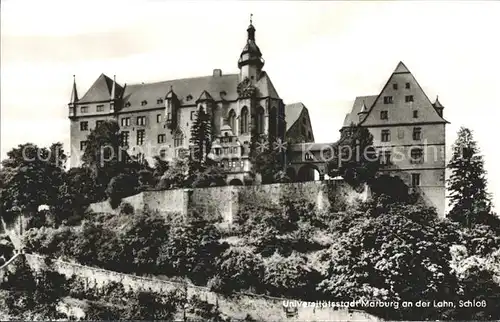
[
  {"x": 232, "y": 120},
  {"x": 259, "y": 120},
  {"x": 244, "y": 120},
  {"x": 178, "y": 139},
  {"x": 272, "y": 121}
]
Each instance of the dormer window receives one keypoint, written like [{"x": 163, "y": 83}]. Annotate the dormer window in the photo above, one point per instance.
[
  {"x": 144, "y": 103},
  {"x": 159, "y": 101},
  {"x": 127, "y": 104},
  {"x": 223, "y": 93},
  {"x": 189, "y": 97}
]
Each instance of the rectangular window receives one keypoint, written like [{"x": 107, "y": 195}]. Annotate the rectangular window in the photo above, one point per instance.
[
  {"x": 84, "y": 126},
  {"x": 417, "y": 156},
  {"x": 84, "y": 109},
  {"x": 384, "y": 115},
  {"x": 415, "y": 114},
  {"x": 387, "y": 99},
  {"x": 394, "y": 86},
  {"x": 169, "y": 116},
  {"x": 385, "y": 158},
  {"x": 141, "y": 120},
  {"x": 386, "y": 136},
  {"x": 98, "y": 123},
  {"x": 99, "y": 108},
  {"x": 124, "y": 138},
  {"x": 158, "y": 118},
  {"x": 125, "y": 121},
  {"x": 161, "y": 138},
  {"x": 407, "y": 86},
  {"x": 408, "y": 98},
  {"x": 140, "y": 137},
  {"x": 193, "y": 115},
  {"x": 83, "y": 145},
  {"x": 417, "y": 133},
  {"x": 159, "y": 101},
  {"x": 415, "y": 179}
]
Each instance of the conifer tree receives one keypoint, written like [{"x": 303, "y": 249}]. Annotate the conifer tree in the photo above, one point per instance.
[
  {"x": 469, "y": 200},
  {"x": 201, "y": 140}
]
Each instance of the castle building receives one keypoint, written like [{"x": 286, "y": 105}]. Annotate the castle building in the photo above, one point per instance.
[
  {"x": 156, "y": 118},
  {"x": 408, "y": 132}
]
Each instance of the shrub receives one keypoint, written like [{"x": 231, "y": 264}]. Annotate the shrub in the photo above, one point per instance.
[
  {"x": 121, "y": 186},
  {"x": 126, "y": 208},
  {"x": 241, "y": 269}
]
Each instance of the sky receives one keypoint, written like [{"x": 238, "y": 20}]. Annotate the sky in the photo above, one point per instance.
[{"x": 321, "y": 53}]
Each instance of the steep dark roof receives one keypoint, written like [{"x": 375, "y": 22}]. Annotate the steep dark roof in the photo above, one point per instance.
[
  {"x": 352, "y": 117},
  {"x": 401, "y": 68},
  {"x": 100, "y": 90},
  {"x": 136, "y": 93},
  {"x": 292, "y": 113}
]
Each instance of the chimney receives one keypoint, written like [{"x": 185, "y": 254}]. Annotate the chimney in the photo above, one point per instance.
[{"x": 217, "y": 73}]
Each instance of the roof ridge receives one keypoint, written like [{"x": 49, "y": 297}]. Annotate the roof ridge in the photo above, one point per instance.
[{"x": 179, "y": 79}]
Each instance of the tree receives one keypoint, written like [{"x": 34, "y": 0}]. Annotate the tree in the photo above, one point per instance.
[
  {"x": 201, "y": 140},
  {"x": 212, "y": 175},
  {"x": 175, "y": 176},
  {"x": 121, "y": 186},
  {"x": 240, "y": 269},
  {"x": 105, "y": 156},
  {"x": 398, "y": 254},
  {"x": 354, "y": 157},
  {"x": 469, "y": 200},
  {"x": 267, "y": 158},
  {"x": 31, "y": 177}
]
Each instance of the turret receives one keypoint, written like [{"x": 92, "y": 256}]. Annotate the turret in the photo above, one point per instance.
[
  {"x": 251, "y": 61},
  {"x": 438, "y": 106},
  {"x": 362, "y": 113},
  {"x": 73, "y": 100},
  {"x": 113, "y": 97},
  {"x": 171, "y": 109}
]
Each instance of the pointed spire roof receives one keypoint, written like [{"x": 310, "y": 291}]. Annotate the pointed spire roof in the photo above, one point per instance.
[
  {"x": 100, "y": 90},
  {"x": 251, "y": 48},
  {"x": 205, "y": 96},
  {"x": 437, "y": 103},
  {"x": 363, "y": 108},
  {"x": 401, "y": 68},
  {"x": 74, "y": 93},
  {"x": 113, "y": 88},
  {"x": 170, "y": 93}
]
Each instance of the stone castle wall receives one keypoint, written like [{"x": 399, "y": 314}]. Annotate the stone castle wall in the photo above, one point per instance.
[
  {"x": 223, "y": 202},
  {"x": 260, "y": 307}
]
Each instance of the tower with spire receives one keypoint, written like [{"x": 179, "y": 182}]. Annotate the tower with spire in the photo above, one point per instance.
[
  {"x": 251, "y": 61},
  {"x": 73, "y": 100}
]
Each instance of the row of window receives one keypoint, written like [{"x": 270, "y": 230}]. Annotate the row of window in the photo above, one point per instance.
[
  {"x": 141, "y": 137},
  {"x": 384, "y": 115},
  {"x": 389, "y": 99},
  {"x": 416, "y": 156},
  {"x": 227, "y": 150},
  {"x": 386, "y": 134},
  {"x": 85, "y": 109},
  {"x": 84, "y": 125},
  {"x": 395, "y": 86},
  {"x": 232, "y": 164}
]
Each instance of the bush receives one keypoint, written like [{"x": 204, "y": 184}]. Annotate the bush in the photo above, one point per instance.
[
  {"x": 240, "y": 269},
  {"x": 121, "y": 186},
  {"x": 126, "y": 208}
]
